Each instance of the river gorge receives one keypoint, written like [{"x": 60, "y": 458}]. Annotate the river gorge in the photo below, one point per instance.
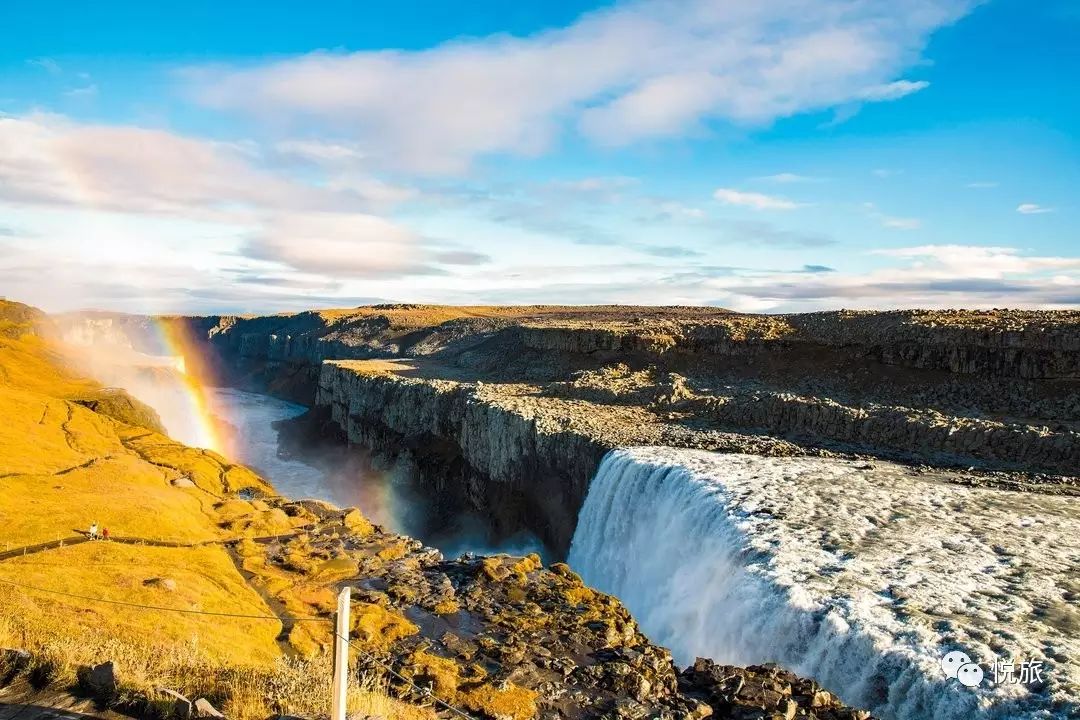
[{"x": 822, "y": 525}]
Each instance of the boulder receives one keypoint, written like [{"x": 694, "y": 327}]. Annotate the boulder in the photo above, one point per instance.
[
  {"x": 181, "y": 706},
  {"x": 205, "y": 711},
  {"x": 99, "y": 681},
  {"x": 183, "y": 482},
  {"x": 16, "y": 658},
  {"x": 12, "y": 662},
  {"x": 761, "y": 692}
]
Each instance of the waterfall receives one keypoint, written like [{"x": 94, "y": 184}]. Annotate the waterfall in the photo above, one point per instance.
[{"x": 832, "y": 571}]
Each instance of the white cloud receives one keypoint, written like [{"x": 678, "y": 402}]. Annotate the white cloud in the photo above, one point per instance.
[
  {"x": 318, "y": 151},
  {"x": 890, "y": 221},
  {"x": 929, "y": 276},
  {"x": 785, "y": 178},
  {"x": 598, "y": 184},
  {"x": 982, "y": 185},
  {"x": 899, "y": 223},
  {"x": 753, "y": 200},
  {"x": 892, "y": 91},
  {"x": 316, "y": 224},
  {"x": 674, "y": 211},
  {"x": 638, "y": 71},
  {"x": 90, "y": 90},
  {"x": 932, "y": 276},
  {"x": 1032, "y": 209},
  {"x": 47, "y": 159},
  {"x": 979, "y": 261},
  {"x": 337, "y": 245}
]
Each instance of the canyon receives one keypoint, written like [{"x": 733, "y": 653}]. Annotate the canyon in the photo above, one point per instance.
[
  {"x": 214, "y": 585},
  {"x": 511, "y": 413}
]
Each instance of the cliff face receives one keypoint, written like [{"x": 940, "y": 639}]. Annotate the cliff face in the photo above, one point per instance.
[
  {"x": 515, "y": 463},
  {"x": 508, "y": 410}
]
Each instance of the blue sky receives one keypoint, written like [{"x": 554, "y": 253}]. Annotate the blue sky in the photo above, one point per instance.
[{"x": 792, "y": 155}]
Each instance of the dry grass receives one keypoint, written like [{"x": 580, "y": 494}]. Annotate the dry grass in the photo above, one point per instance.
[
  {"x": 205, "y": 579},
  {"x": 38, "y": 507},
  {"x": 244, "y": 691},
  {"x": 466, "y": 687},
  {"x": 63, "y": 466},
  {"x": 43, "y": 434},
  {"x": 425, "y": 315},
  {"x": 302, "y": 687},
  {"x": 209, "y": 471}
]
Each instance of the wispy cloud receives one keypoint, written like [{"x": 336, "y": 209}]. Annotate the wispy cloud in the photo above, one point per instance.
[
  {"x": 320, "y": 151},
  {"x": 436, "y": 110},
  {"x": 1032, "y": 209},
  {"x": 900, "y": 223},
  {"x": 927, "y": 276},
  {"x": 338, "y": 245},
  {"x": 761, "y": 233},
  {"x": 892, "y": 91},
  {"x": 980, "y": 261},
  {"x": 982, "y": 185},
  {"x": 786, "y": 178},
  {"x": 84, "y": 91},
  {"x": 48, "y": 159},
  {"x": 753, "y": 200},
  {"x": 47, "y": 64},
  {"x": 308, "y": 224}
]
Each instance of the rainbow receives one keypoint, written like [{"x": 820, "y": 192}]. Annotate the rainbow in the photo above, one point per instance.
[{"x": 197, "y": 422}]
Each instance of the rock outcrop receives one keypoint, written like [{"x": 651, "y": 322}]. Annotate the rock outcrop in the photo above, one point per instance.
[
  {"x": 499, "y": 636},
  {"x": 121, "y": 406},
  {"x": 762, "y": 691}
]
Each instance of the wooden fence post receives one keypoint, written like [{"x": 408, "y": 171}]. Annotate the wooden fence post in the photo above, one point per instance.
[{"x": 341, "y": 655}]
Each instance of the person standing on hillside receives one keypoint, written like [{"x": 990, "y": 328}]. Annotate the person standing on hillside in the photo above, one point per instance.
[
  {"x": 104, "y": 533},
  {"x": 93, "y": 531}
]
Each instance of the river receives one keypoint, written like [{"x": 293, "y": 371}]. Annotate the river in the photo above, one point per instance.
[{"x": 386, "y": 492}]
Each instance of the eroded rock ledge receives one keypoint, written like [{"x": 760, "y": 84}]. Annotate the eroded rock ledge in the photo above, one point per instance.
[
  {"x": 509, "y": 409},
  {"x": 523, "y": 454},
  {"x": 518, "y": 459}
]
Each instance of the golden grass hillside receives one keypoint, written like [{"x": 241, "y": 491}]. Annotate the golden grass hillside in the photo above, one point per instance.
[{"x": 173, "y": 512}]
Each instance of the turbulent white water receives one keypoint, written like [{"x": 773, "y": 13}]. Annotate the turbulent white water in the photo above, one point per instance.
[{"x": 861, "y": 577}]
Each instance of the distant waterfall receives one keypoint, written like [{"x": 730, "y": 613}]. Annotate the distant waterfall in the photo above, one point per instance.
[{"x": 698, "y": 558}]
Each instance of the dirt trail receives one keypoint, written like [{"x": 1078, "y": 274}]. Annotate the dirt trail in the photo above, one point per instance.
[
  {"x": 81, "y": 539},
  {"x": 22, "y": 702}
]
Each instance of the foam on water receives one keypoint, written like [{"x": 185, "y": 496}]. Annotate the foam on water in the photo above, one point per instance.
[{"x": 860, "y": 577}]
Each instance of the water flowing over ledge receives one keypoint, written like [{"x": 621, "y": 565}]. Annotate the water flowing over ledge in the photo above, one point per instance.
[{"x": 859, "y": 576}]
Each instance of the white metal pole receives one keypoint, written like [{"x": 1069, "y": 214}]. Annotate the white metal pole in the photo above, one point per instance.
[{"x": 341, "y": 656}]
